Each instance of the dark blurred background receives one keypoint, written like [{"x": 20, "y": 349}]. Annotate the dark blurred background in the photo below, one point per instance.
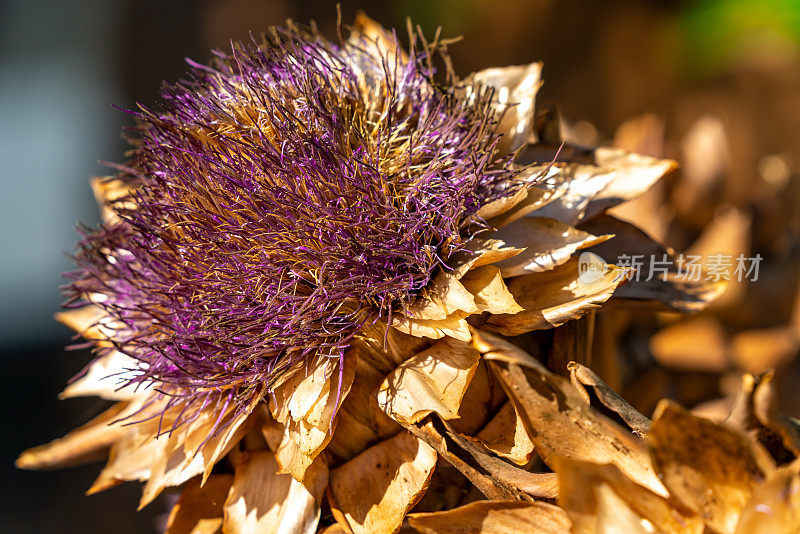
[{"x": 713, "y": 83}]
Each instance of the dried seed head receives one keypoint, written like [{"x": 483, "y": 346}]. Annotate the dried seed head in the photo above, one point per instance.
[{"x": 285, "y": 195}]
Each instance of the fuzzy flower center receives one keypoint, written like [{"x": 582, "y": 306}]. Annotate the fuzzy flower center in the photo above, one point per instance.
[{"x": 286, "y": 195}]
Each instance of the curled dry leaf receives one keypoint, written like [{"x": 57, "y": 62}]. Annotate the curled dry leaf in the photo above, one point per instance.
[
  {"x": 372, "y": 493},
  {"x": 306, "y": 406},
  {"x": 755, "y": 412},
  {"x": 108, "y": 189},
  {"x": 582, "y": 376},
  {"x": 88, "y": 321},
  {"x": 454, "y": 326},
  {"x": 515, "y": 90},
  {"x": 494, "y": 517},
  {"x": 262, "y": 500},
  {"x": 633, "y": 174},
  {"x": 491, "y": 294},
  {"x": 482, "y": 482},
  {"x": 108, "y": 377},
  {"x": 480, "y": 252},
  {"x": 445, "y": 296},
  {"x": 379, "y": 41},
  {"x": 505, "y": 435},
  {"x": 148, "y": 451},
  {"x": 774, "y": 507},
  {"x": 576, "y": 185},
  {"x": 560, "y": 423},
  {"x": 432, "y": 381},
  {"x": 543, "y": 485},
  {"x": 86, "y": 443},
  {"x": 597, "y": 496},
  {"x": 199, "y": 508},
  {"x": 360, "y": 421},
  {"x": 190, "y": 450},
  {"x": 481, "y": 400},
  {"x": 667, "y": 287},
  {"x": 706, "y": 466},
  {"x": 547, "y": 243},
  {"x": 526, "y": 201},
  {"x": 554, "y": 297}
]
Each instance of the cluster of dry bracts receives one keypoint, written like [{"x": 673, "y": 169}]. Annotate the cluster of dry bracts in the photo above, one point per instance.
[{"x": 474, "y": 408}]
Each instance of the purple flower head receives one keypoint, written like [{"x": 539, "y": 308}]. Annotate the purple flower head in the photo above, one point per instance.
[{"x": 285, "y": 195}]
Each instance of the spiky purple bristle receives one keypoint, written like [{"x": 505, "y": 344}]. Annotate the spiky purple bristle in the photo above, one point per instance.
[{"x": 287, "y": 194}]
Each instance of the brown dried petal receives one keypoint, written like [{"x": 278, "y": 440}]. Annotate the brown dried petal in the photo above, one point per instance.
[
  {"x": 515, "y": 94},
  {"x": 491, "y": 294},
  {"x": 561, "y": 424},
  {"x": 444, "y": 296},
  {"x": 673, "y": 290},
  {"x": 505, "y": 435},
  {"x": 597, "y": 496},
  {"x": 633, "y": 174},
  {"x": 199, "y": 506},
  {"x": 261, "y": 500},
  {"x": 432, "y": 381},
  {"x": 547, "y": 243},
  {"x": 494, "y": 517},
  {"x": 372, "y": 493},
  {"x": 86, "y": 443},
  {"x": 554, "y": 297},
  {"x": 706, "y": 466},
  {"x": 106, "y": 378},
  {"x": 306, "y": 435}
]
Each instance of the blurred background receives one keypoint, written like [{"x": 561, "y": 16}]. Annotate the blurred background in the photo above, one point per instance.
[{"x": 714, "y": 84}]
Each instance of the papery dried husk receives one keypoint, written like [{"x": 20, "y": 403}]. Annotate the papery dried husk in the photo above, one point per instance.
[
  {"x": 147, "y": 451},
  {"x": 489, "y": 290},
  {"x": 494, "y": 517},
  {"x": 263, "y": 500},
  {"x": 399, "y": 401},
  {"x": 668, "y": 290},
  {"x": 199, "y": 508},
  {"x": 372, "y": 492},
  {"x": 598, "y": 497},
  {"x": 360, "y": 421},
  {"x": 582, "y": 377},
  {"x": 554, "y": 297},
  {"x": 707, "y": 467},
  {"x": 107, "y": 190},
  {"x": 515, "y": 91},
  {"x": 444, "y": 296},
  {"x": 505, "y": 435},
  {"x": 306, "y": 404},
  {"x": 755, "y": 412},
  {"x": 434, "y": 380},
  {"x": 109, "y": 377},
  {"x": 568, "y": 428},
  {"x": 191, "y": 450},
  {"x": 547, "y": 243},
  {"x": 87, "y": 443}
]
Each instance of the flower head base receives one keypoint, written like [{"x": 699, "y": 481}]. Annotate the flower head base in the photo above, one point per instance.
[{"x": 288, "y": 194}]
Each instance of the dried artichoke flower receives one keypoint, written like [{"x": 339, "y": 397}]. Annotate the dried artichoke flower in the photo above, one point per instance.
[{"x": 312, "y": 254}]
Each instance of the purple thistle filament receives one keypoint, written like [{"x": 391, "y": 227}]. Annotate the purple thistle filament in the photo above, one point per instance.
[{"x": 285, "y": 195}]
